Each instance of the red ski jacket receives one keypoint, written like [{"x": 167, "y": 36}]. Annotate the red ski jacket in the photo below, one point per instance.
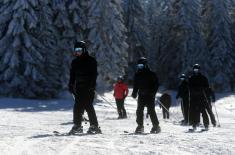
[{"x": 120, "y": 90}]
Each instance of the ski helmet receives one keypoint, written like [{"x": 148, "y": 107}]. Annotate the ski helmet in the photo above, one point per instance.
[
  {"x": 182, "y": 76},
  {"x": 80, "y": 47},
  {"x": 196, "y": 66},
  {"x": 142, "y": 60},
  {"x": 120, "y": 78},
  {"x": 142, "y": 63}
]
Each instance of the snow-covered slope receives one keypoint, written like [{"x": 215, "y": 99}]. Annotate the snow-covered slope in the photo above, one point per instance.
[{"x": 26, "y": 128}]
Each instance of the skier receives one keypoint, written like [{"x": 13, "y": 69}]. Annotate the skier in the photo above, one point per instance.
[
  {"x": 146, "y": 86},
  {"x": 198, "y": 83},
  {"x": 210, "y": 98},
  {"x": 120, "y": 93},
  {"x": 165, "y": 100},
  {"x": 82, "y": 83},
  {"x": 183, "y": 97}
]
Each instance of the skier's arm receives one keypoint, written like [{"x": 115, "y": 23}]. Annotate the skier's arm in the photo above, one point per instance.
[
  {"x": 72, "y": 78},
  {"x": 156, "y": 84},
  {"x": 94, "y": 74},
  {"x": 135, "y": 87}
]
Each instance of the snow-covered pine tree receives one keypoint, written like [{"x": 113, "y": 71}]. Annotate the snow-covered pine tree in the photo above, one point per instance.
[
  {"x": 22, "y": 54},
  {"x": 220, "y": 57},
  {"x": 134, "y": 17},
  {"x": 107, "y": 39},
  {"x": 191, "y": 46}
]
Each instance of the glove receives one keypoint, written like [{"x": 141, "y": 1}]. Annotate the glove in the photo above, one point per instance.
[{"x": 134, "y": 95}]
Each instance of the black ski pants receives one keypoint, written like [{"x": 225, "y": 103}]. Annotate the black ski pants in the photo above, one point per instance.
[
  {"x": 197, "y": 107},
  {"x": 149, "y": 102},
  {"x": 84, "y": 101},
  {"x": 120, "y": 107},
  {"x": 165, "y": 112},
  {"x": 210, "y": 112},
  {"x": 185, "y": 109}
]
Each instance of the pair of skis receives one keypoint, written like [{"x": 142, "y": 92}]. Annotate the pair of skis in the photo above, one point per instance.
[{"x": 57, "y": 133}]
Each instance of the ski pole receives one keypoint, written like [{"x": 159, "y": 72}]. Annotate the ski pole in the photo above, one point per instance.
[{"x": 105, "y": 100}]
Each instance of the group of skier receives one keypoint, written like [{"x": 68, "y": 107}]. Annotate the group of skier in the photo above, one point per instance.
[{"x": 194, "y": 94}]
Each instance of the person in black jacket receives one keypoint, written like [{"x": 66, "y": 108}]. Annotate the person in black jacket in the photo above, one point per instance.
[
  {"x": 82, "y": 83},
  {"x": 183, "y": 96},
  {"x": 165, "y": 104},
  {"x": 198, "y": 84},
  {"x": 146, "y": 86}
]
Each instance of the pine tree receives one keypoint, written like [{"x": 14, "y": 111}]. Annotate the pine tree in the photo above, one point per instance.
[
  {"x": 192, "y": 45},
  {"x": 71, "y": 23},
  {"x": 22, "y": 53},
  {"x": 136, "y": 32},
  {"x": 107, "y": 39},
  {"x": 220, "y": 57}
]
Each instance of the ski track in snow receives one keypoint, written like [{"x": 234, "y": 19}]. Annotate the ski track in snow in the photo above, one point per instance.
[{"x": 28, "y": 130}]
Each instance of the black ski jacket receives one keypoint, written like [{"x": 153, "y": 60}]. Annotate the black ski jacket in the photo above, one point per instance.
[
  {"x": 183, "y": 90},
  {"x": 145, "y": 83},
  {"x": 198, "y": 84},
  {"x": 165, "y": 101},
  {"x": 83, "y": 73}
]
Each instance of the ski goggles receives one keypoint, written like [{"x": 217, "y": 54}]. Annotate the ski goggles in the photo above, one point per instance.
[
  {"x": 78, "y": 49},
  {"x": 140, "y": 66},
  {"x": 196, "y": 70}
]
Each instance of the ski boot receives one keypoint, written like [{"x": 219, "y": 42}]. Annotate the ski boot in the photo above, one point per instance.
[
  {"x": 206, "y": 128},
  {"x": 139, "y": 129},
  {"x": 155, "y": 129},
  {"x": 76, "y": 130},
  {"x": 193, "y": 129},
  {"x": 94, "y": 130},
  {"x": 119, "y": 117},
  {"x": 214, "y": 124}
]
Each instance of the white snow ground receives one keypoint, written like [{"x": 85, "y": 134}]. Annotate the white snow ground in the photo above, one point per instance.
[{"x": 26, "y": 128}]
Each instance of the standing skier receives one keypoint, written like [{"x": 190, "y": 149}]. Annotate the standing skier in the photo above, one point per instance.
[
  {"x": 82, "y": 83},
  {"x": 165, "y": 100},
  {"x": 198, "y": 83},
  {"x": 120, "y": 93},
  {"x": 146, "y": 86},
  {"x": 183, "y": 97}
]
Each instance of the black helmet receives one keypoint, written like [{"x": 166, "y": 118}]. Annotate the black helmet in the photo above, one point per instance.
[
  {"x": 182, "y": 76},
  {"x": 80, "y": 44},
  {"x": 120, "y": 78},
  {"x": 196, "y": 66},
  {"x": 142, "y": 60}
]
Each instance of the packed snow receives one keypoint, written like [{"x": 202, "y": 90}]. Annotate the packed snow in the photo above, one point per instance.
[{"x": 26, "y": 128}]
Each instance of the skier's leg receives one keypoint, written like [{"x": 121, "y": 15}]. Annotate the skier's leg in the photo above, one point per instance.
[
  {"x": 78, "y": 111},
  {"x": 88, "y": 104},
  {"x": 140, "y": 111},
  {"x": 119, "y": 107},
  {"x": 211, "y": 114},
  {"x": 167, "y": 113},
  {"x": 186, "y": 110},
  {"x": 123, "y": 110},
  {"x": 151, "y": 110},
  {"x": 163, "y": 113},
  {"x": 204, "y": 115}
]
